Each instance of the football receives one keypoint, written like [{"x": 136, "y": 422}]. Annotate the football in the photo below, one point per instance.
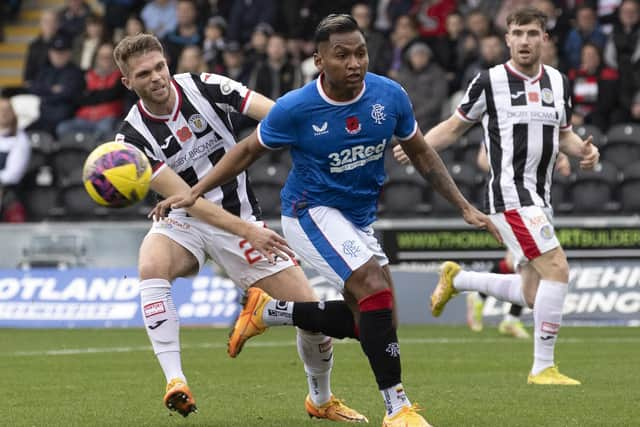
[{"x": 116, "y": 175}]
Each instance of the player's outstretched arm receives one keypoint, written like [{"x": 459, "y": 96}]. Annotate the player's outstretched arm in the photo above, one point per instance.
[
  {"x": 236, "y": 160},
  {"x": 572, "y": 145},
  {"x": 269, "y": 243},
  {"x": 430, "y": 165}
]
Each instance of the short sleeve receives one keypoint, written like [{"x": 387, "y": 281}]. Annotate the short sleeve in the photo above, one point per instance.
[
  {"x": 129, "y": 135},
  {"x": 229, "y": 95},
  {"x": 277, "y": 130},
  {"x": 474, "y": 103},
  {"x": 565, "y": 120},
  {"x": 407, "y": 125}
]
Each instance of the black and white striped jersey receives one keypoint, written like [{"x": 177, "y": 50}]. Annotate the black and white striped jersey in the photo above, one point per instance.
[
  {"x": 197, "y": 133},
  {"x": 522, "y": 118}
]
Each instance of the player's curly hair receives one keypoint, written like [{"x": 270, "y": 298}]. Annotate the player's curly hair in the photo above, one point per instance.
[
  {"x": 134, "y": 46},
  {"x": 527, "y": 15},
  {"x": 336, "y": 23}
]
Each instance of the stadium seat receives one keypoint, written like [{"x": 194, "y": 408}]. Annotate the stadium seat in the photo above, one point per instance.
[
  {"x": 623, "y": 145},
  {"x": 41, "y": 141},
  {"x": 41, "y": 203},
  {"x": 65, "y": 162},
  {"x": 585, "y": 130},
  {"x": 629, "y": 191},
  {"x": 403, "y": 191},
  {"x": 468, "y": 181},
  {"x": 77, "y": 204},
  {"x": 267, "y": 180},
  {"x": 560, "y": 199},
  {"x": 592, "y": 192},
  {"x": 77, "y": 139}
]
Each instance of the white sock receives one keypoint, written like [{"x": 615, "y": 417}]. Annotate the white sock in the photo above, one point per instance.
[
  {"x": 510, "y": 318},
  {"x": 316, "y": 352},
  {"x": 505, "y": 287},
  {"x": 547, "y": 317},
  {"x": 163, "y": 327},
  {"x": 394, "y": 399},
  {"x": 278, "y": 313}
]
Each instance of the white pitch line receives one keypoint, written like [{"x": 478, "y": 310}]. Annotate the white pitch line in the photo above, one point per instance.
[{"x": 290, "y": 343}]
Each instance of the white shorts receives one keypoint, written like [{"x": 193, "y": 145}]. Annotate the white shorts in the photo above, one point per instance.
[
  {"x": 242, "y": 263},
  {"x": 331, "y": 244},
  {"x": 527, "y": 232}
]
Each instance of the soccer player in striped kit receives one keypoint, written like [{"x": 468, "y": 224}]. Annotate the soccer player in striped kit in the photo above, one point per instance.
[{"x": 525, "y": 110}]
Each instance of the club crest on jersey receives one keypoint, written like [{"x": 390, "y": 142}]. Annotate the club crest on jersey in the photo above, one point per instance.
[
  {"x": 547, "y": 95},
  {"x": 353, "y": 125},
  {"x": 197, "y": 123},
  {"x": 378, "y": 114},
  {"x": 320, "y": 130},
  {"x": 184, "y": 133}
]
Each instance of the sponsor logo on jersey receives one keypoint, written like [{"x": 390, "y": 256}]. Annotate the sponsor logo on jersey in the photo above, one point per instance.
[
  {"x": 320, "y": 130},
  {"x": 378, "y": 114},
  {"x": 154, "y": 308},
  {"x": 517, "y": 95},
  {"x": 356, "y": 156},
  {"x": 533, "y": 96},
  {"x": 353, "y": 125},
  {"x": 197, "y": 123}
]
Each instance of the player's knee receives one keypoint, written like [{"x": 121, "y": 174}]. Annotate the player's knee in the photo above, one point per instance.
[
  {"x": 150, "y": 270},
  {"x": 369, "y": 279},
  {"x": 559, "y": 266}
]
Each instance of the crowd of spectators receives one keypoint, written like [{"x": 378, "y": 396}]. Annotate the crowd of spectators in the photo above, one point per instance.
[{"x": 432, "y": 47}]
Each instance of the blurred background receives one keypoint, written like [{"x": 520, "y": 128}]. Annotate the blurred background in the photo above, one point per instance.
[{"x": 67, "y": 262}]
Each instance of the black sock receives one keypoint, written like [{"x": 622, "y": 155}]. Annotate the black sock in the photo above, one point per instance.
[
  {"x": 483, "y": 296},
  {"x": 378, "y": 338},
  {"x": 379, "y": 341},
  {"x": 515, "y": 310},
  {"x": 332, "y": 318}
]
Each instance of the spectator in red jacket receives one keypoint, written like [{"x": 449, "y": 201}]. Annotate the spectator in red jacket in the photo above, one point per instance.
[
  {"x": 595, "y": 90},
  {"x": 101, "y": 104}
]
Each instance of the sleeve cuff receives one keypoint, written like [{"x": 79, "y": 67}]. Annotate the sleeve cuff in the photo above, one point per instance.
[
  {"x": 246, "y": 102},
  {"x": 462, "y": 116},
  {"x": 261, "y": 141},
  {"x": 413, "y": 132}
]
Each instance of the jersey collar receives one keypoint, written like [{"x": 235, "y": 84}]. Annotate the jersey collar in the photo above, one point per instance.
[
  {"x": 512, "y": 70},
  {"x": 333, "y": 101},
  {"x": 165, "y": 117}
]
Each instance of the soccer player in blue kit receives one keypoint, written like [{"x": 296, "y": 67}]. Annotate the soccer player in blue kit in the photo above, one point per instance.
[{"x": 338, "y": 128}]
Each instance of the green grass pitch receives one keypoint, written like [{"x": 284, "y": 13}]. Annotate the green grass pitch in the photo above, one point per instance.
[{"x": 111, "y": 378}]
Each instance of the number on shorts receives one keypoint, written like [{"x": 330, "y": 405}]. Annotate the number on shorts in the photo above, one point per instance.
[{"x": 251, "y": 254}]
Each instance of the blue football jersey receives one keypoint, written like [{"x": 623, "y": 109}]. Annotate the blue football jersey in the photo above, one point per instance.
[{"x": 337, "y": 148}]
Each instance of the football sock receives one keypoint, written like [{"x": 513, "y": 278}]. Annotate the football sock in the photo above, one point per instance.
[
  {"x": 332, "y": 318},
  {"x": 515, "y": 310},
  {"x": 162, "y": 325},
  {"x": 505, "y": 287},
  {"x": 394, "y": 399},
  {"x": 547, "y": 317},
  {"x": 316, "y": 352},
  {"x": 378, "y": 338},
  {"x": 483, "y": 296},
  {"x": 278, "y": 313}
]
